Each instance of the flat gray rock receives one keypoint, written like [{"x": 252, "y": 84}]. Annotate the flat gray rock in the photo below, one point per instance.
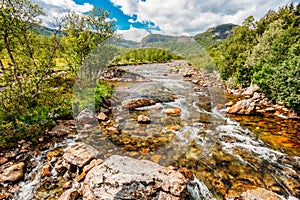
[{"x": 121, "y": 177}]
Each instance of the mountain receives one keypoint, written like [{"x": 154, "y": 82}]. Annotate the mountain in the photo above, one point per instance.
[
  {"x": 127, "y": 44},
  {"x": 153, "y": 39},
  {"x": 214, "y": 35}
]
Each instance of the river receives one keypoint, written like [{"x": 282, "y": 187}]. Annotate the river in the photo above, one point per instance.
[{"x": 226, "y": 154}]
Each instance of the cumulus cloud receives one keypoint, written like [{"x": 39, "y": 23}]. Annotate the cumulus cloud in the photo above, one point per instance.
[
  {"x": 54, "y": 8},
  {"x": 189, "y": 17},
  {"x": 134, "y": 34}
]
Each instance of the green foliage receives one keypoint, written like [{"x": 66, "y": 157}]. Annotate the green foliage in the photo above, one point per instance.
[
  {"x": 145, "y": 55},
  {"x": 91, "y": 97},
  {"x": 38, "y": 70},
  {"x": 265, "y": 52}
]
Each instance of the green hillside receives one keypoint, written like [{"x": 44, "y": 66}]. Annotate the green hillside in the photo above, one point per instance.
[
  {"x": 214, "y": 35},
  {"x": 145, "y": 55}
]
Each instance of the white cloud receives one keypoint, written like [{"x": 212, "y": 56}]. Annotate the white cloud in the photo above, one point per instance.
[
  {"x": 134, "y": 34},
  {"x": 59, "y": 8},
  {"x": 189, "y": 17}
]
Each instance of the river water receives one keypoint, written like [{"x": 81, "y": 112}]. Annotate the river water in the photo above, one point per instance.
[{"x": 226, "y": 155}]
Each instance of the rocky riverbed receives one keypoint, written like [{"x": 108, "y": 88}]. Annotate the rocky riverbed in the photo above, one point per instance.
[{"x": 165, "y": 134}]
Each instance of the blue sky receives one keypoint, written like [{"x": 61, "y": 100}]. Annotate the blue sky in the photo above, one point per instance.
[{"x": 138, "y": 18}]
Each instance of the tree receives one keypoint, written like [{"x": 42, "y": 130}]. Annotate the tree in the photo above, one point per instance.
[{"x": 84, "y": 32}]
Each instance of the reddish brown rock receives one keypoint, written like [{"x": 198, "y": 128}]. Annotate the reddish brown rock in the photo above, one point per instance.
[
  {"x": 102, "y": 116},
  {"x": 70, "y": 194},
  {"x": 173, "y": 111},
  {"x": 243, "y": 107},
  {"x": 137, "y": 103},
  {"x": 46, "y": 170}
]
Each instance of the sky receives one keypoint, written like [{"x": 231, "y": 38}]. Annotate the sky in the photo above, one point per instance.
[{"x": 135, "y": 19}]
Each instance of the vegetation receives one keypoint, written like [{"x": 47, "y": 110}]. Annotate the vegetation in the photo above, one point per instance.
[
  {"x": 145, "y": 55},
  {"x": 38, "y": 70},
  {"x": 265, "y": 52}
]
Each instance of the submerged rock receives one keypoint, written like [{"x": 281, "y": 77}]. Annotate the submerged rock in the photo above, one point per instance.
[
  {"x": 137, "y": 102},
  {"x": 70, "y": 194},
  {"x": 127, "y": 178},
  {"x": 143, "y": 119},
  {"x": 172, "y": 111},
  {"x": 259, "y": 193},
  {"x": 11, "y": 172},
  {"x": 80, "y": 154}
]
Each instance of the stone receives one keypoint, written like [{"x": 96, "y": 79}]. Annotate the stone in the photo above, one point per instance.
[
  {"x": 3, "y": 160},
  {"x": 46, "y": 170},
  {"x": 88, "y": 167},
  {"x": 173, "y": 127},
  {"x": 70, "y": 194},
  {"x": 143, "y": 119},
  {"x": 80, "y": 154},
  {"x": 243, "y": 107},
  {"x": 86, "y": 116},
  {"x": 121, "y": 177},
  {"x": 102, "y": 116},
  {"x": 259, "y": 193},
  {"x": 62, "y": 165},
  {"x": 250, "y": 90},
  {"x": 172, "y": 111},
  {"x": 137, "y": 103},
  {"x": 11, "y": 172}
]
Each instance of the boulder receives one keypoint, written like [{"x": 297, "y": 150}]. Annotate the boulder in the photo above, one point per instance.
[
  {"x": 86, "y": 116},
  {"x": 259, "y": 193},
  {"x": 70, "y": 194},
  {"x": 136, "y": 103},
  {"x": 102, "y": 116},
  {"x": 143, "y": 119},
  {"x": 250, "y": 90},
  {"x": 11, "y": 172},
  {"x": 121, "y": 177},
  {"x": 243, "y": 107},
  {"x": 80, "y": 154}
]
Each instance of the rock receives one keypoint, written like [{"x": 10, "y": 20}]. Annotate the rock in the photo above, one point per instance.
[
  {"x": 62, "y": 165},
  {"x": 136, "y": 103},
  {"x": 259, "y": 193},
  {"x": 88, "y": 167},
  {"x": 270, "y": 110},
  {"x": 11, "y": 172},
  {"x": 70, "y": 194},
  {"x": 60, "y": 129},
  {"x": 3, "y": 160},
  {"x": 172, "y": 111},
  {"x": 80, "y": 154},
  {"x": 293, "y": 115},
  {"x": 243, "y": 107},
  {"x": 102, "y": 116},
  {"x": 46, "y": 170},
  {"x": 127, "y": 178},
  {"x": 86, "y": 116},
  {"x": 250, "y": 90},
  {"x": 143, "y": 119},
  {"x": 173, "y": 127},
  {"x": 67, "y": 185}
]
